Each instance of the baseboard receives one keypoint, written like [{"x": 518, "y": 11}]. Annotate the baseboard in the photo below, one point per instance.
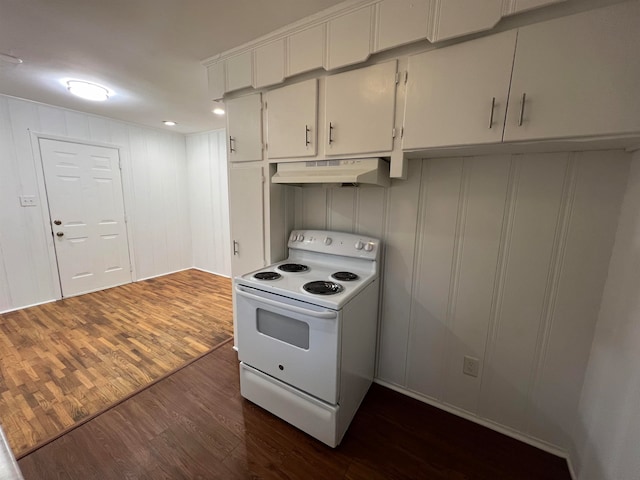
[
  {"x": 213, "y": 273},
  {"x": 162, "y": 274},
  {"x": 534, "y": 442},
  {"x": 27, "y": 306}
]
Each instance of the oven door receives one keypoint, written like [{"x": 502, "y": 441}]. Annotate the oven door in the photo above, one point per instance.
[{"x": 293, "y": 341}]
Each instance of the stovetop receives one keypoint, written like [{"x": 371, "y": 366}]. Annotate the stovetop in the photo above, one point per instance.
[{"x": 338, "y": 277}]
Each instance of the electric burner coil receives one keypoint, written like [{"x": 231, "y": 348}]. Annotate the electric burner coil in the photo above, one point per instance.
[
  {"x": 293, "y": 267},
  {"x": 267, "y": 275},
  {"x": 322, "y": 287},
  {"x": 345, "y": 276}
]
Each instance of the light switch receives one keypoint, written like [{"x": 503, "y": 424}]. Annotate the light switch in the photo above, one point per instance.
[{"x": 28, "y": 200}]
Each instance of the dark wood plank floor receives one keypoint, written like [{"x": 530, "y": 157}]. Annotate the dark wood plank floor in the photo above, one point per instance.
[
  {"x": 64, "y": 361},
  {"x": 195, "y": 425}
]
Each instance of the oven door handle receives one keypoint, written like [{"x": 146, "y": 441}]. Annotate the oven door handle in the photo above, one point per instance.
[{"x": 284, "y": 306}]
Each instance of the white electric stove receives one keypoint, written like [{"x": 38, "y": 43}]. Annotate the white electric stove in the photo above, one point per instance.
[{"x": 306, "y": 331}]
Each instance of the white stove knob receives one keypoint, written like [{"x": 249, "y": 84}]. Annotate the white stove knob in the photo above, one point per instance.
[
  {"x": 300, "y": 238},
  {"x": 294, "y": 237},
  {"x": 327, "y": 240},
  {"x": 368, "y": 247},
  {"x": 359, "y": 245}
]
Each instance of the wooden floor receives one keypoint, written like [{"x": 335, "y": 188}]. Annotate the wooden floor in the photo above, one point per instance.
[
  {"x": 64, "y": 361},
  {"x": 195, "y": 425}
]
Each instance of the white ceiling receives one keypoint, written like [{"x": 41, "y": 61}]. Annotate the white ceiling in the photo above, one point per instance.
[{"x": 147, "y": 51}]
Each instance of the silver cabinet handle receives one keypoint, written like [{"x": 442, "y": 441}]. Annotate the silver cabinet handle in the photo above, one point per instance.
[
  {"x": 493, "y": 107},
  {"x": 236, "y": 248},
  {"x": 521, "y": 119},
  {"x": 232, "y": 142},
  {"x": 330, "y": 133},
  {"x": 306, "y": 135}
]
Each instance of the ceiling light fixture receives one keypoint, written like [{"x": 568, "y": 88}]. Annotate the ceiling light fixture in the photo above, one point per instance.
[
  {"x": 169, "y": 123},
  {"x": 5, "y": 57},
  {"x": 218, "y": 107},
  {"x": 88, "y": 90}
]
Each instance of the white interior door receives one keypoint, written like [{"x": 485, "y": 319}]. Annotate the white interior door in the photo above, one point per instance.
[{"x": 84, "y": 190}]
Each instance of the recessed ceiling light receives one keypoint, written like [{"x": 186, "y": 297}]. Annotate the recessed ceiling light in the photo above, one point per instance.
[
  {"x": 169, "y": 123},
  {"x": 5, "y": 57},
  {"x": 88, "y": 90}
]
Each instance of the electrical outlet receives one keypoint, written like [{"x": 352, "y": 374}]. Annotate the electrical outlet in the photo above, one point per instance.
[
  {"x": 28, "y": 200},
  {"x": 471, "y": 366}
]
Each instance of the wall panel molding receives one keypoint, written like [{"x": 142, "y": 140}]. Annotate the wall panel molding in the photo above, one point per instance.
[
  {"x": 555, "y": 270},
  {"x": 395, "y": 292},
  {"x": 208, "y": 202},
  {"x": 501, "y": 267}
]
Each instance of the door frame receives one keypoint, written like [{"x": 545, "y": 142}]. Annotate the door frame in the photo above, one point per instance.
[{"x": 127, "y": 199}]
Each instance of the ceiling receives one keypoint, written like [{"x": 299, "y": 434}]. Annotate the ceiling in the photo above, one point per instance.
[{"x": 147, "y": 51}]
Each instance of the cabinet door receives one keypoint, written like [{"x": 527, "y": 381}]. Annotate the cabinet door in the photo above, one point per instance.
[
  {"x": 292, "y": 120},
  {"x": 306, "y": 50},
  {"x": 244, "y": 122},
  {"x": 359, "y": 110},
  {"x": 458, "y": 95},
  {"x": 215, "y": 76},
  {"x": 269, "y": 64},
  {"x": 246, "y": 219},
  {"x": 239, "y": 71},
  {"x": 578, "y": 76},
  {"x": 400, "y": 22},
  {"x": 454, "y": 18},
  {"x": 349, "y": 38}
]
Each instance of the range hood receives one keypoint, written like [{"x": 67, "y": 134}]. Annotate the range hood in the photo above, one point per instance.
[{"x": 372, "y": 171}]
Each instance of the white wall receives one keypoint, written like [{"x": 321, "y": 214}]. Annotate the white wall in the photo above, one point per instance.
[
  {"x": 607, "y": 433},
  {"x": 209, "y": 202},
  {"x": 502, "y": 258},
  {"x": 155, "y": 190}
]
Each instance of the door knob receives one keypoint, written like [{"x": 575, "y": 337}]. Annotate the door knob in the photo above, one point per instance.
[
  {"x": 60, "y": 234},
  {"x": 57, "y": 222}
]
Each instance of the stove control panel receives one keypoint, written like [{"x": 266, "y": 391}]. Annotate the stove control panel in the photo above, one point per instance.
[{"x": 335, "y": 243}]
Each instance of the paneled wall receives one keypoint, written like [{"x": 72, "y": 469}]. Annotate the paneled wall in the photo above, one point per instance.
[
  {"x": 607, "y": 433},
  {"x": 501, "y": 258},
  {"x": 155, "y": 190},
  {"x": 208, "y": 202}
]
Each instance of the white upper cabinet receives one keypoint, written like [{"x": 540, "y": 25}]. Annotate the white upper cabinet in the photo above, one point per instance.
[
  {"x": 454, "y": 18},
  {"x": 360, "y": 110},
  {"x": 269, "y": 64},
  {"x": 349, "y": 38},
  {"x": 292, "y": 114},
  {"x": 215, "y": 75},
  {"x": 306, "y": 50},
  {"x": 348, "y": 35},
  {"x": 244, "y": 127},
  {"x": 401, "y": 22},
  {"x": 458, "y": 95},
  {"x": 577, "y": 76},
  {"x": 239, "y": 71}
]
